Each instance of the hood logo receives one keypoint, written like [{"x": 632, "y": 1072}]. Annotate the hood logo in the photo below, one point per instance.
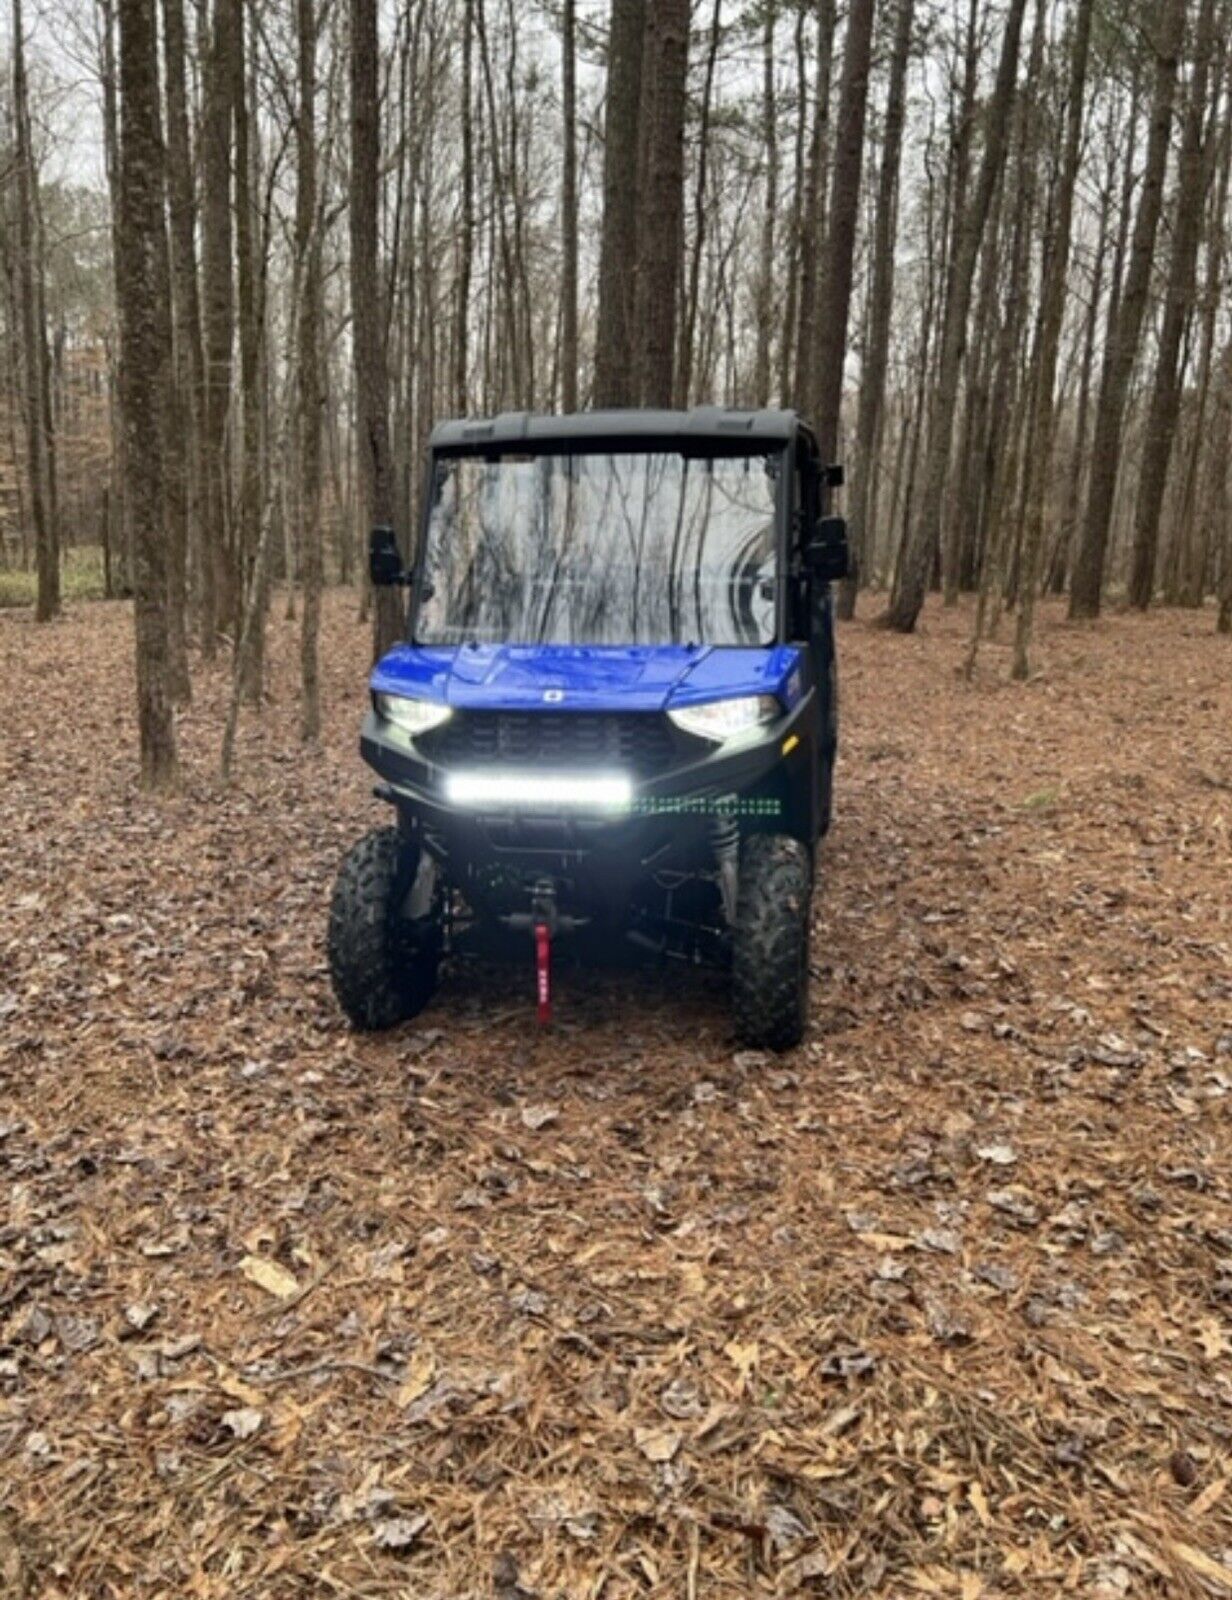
[{"x": 553, "y": 697}]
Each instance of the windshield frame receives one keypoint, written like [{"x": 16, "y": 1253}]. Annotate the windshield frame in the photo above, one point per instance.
[{"x": 697, "y": 448}]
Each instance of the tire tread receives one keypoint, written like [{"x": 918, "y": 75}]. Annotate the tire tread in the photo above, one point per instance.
[{"x": 770, "y": 967}]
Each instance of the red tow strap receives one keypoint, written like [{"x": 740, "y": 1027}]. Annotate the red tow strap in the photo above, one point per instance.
[{"x": 543, "y": 970}]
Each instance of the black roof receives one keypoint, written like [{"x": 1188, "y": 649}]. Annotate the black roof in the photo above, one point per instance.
[{"x": 703, "y": 422}]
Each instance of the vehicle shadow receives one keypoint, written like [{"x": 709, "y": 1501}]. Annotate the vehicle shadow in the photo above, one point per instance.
[{"x": 490, "y": 981}]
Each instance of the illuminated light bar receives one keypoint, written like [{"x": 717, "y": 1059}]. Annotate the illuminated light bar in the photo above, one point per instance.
[{"x": 540, "y": 791}]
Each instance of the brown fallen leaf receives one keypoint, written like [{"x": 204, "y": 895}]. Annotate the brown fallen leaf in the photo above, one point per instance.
[
  {"x": 744, "y": 1357},
  {"x": 268, "y": 1275},
  {"x": 657, "y": 1444},
  {"x": 419, "y": 1376}
]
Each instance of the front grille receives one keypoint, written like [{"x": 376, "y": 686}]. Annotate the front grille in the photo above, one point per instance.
[{"x": 640, "y": 743}]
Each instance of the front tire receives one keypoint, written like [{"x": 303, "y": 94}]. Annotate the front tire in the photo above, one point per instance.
[
  {"x": 770, "y": 967},
  {"x": 383, "y": 967}
]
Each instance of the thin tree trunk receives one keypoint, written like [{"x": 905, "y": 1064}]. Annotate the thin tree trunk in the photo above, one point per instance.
[
  {"x": 466, "y": 225},
  {"x": 787, "y": 342},
  {"x": 184, "y": 462},
  {"x": 918, "y": 559},
  {"x": 806, "y": 385},
  {"x": 615, "y": 375},
  {"x": 251, "y": 496},
  {"x": 1042, "y": 425},
  {"x": 308, "y": 255},
  {"x": 835, "y": 300},
  {"x": 1193, "y": 180},
  {"x": 1086, "y": 591},
  {"x": 218, "y": 307},
  {"x": 569, "y": 212},
  {"x": 145, "y": 374},
  {"x": 34, "y": 340},
  {"x": 881, "y": 307},
  {"x": 367, "y": 319},
  {"x": 661, "y": 226},
  {"x": 685, "y": 362},
  {"x": 765, "y": 272}
]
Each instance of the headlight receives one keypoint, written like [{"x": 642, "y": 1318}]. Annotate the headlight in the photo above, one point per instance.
[
  {"x": 412, "y": 716},
  {"x": 724, "y": 719}
]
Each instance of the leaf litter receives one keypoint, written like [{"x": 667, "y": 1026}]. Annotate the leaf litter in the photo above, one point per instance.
[{"x": 941, "y": 1304}]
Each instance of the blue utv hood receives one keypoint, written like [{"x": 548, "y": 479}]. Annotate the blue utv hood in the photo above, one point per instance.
[{"x": 515, "y": 677}]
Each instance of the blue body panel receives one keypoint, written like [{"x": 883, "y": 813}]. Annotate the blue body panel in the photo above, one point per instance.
[{"x": 514, "y": 677}]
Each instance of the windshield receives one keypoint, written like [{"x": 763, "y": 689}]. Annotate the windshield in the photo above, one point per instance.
[{"x": 601, "y": 549}]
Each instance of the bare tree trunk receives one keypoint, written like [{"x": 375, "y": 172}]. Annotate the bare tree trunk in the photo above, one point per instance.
[
  {"x": 184, "y": 461},
  {"x": 218, "y": 306},
  {"x": 1192, "y": 184},
  {"x": 908, "y": 601},
  {"x": 615, "y": 375},
  {"x": 251, "y": 496},
  {"x": 569, "y": 213},
  {"x": 1042, "y": 424},
  {"x": 660, "y": 229},
  {"x": 466, "y": 224},
  {"x": 34, "y": 341},
  {"x": 765, "y": 272},
  {"x": 881, "y": 307},
  {"x": 118, "y": 553},
  {"x": 685, "y": 361},
  {"x": 835, "y": 302},
  {"x": 1192, "y": 544},
  {"x": 145, "y": 374},
  {"x": 1086, "y": 591},
  {"x": 812, "y": 210},
  {"x": 308, "y": 254},
  {"x": 371, "y": 388},
  {"x": 791, "y": 312}
]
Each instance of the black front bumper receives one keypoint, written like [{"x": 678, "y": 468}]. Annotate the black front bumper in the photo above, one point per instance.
[{"x": 768, "y": 783}]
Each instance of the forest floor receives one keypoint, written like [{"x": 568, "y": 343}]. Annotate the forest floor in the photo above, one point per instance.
[{"x": 940, "y": 1303}]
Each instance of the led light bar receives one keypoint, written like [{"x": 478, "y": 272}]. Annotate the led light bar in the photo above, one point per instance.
[{"x": 540, "y": 791}]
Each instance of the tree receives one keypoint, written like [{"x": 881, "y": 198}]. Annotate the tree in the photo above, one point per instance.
[
  {"x": 250, "y": 566},
  {"x": 367, "y": 314},
  {"x": 689, "y": 331},
  {"x": 466, "y": 224},
  {"x": 218, "y": 310},
  {"x": 308, "y": 260},
  {"x": 569, "y": 213},
  {"x": 812, "y": 205},
  {"x": 145, "y": 373},
  {"x": 660, "y": 230},
  {"x": 39, "y": 440},
  {"x": 881, "y": 308},
  {"x": 835, "y": 301},
  {"x": 1086, "y": 593},
  {"x": 908, "y": 601},
  {"x": 1192, "y": 183},
  {"x": 615, "y": 377},
  {"x": 1057, "y": 249},
  {"x": 765, "y": 269},
  {"x": 188, "y": 386}
]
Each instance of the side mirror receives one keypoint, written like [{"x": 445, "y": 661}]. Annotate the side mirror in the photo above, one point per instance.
[
  {"x": 827, "y": 555},
  {"x": 835, "y": 476},
  {"x": 384, "y": 559}
]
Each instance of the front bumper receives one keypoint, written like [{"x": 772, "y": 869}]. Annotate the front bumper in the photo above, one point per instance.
[{"x": 761, "y": 777}]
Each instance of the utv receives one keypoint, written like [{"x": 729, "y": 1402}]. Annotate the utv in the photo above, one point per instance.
[{"x": 615, "y": 713}]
